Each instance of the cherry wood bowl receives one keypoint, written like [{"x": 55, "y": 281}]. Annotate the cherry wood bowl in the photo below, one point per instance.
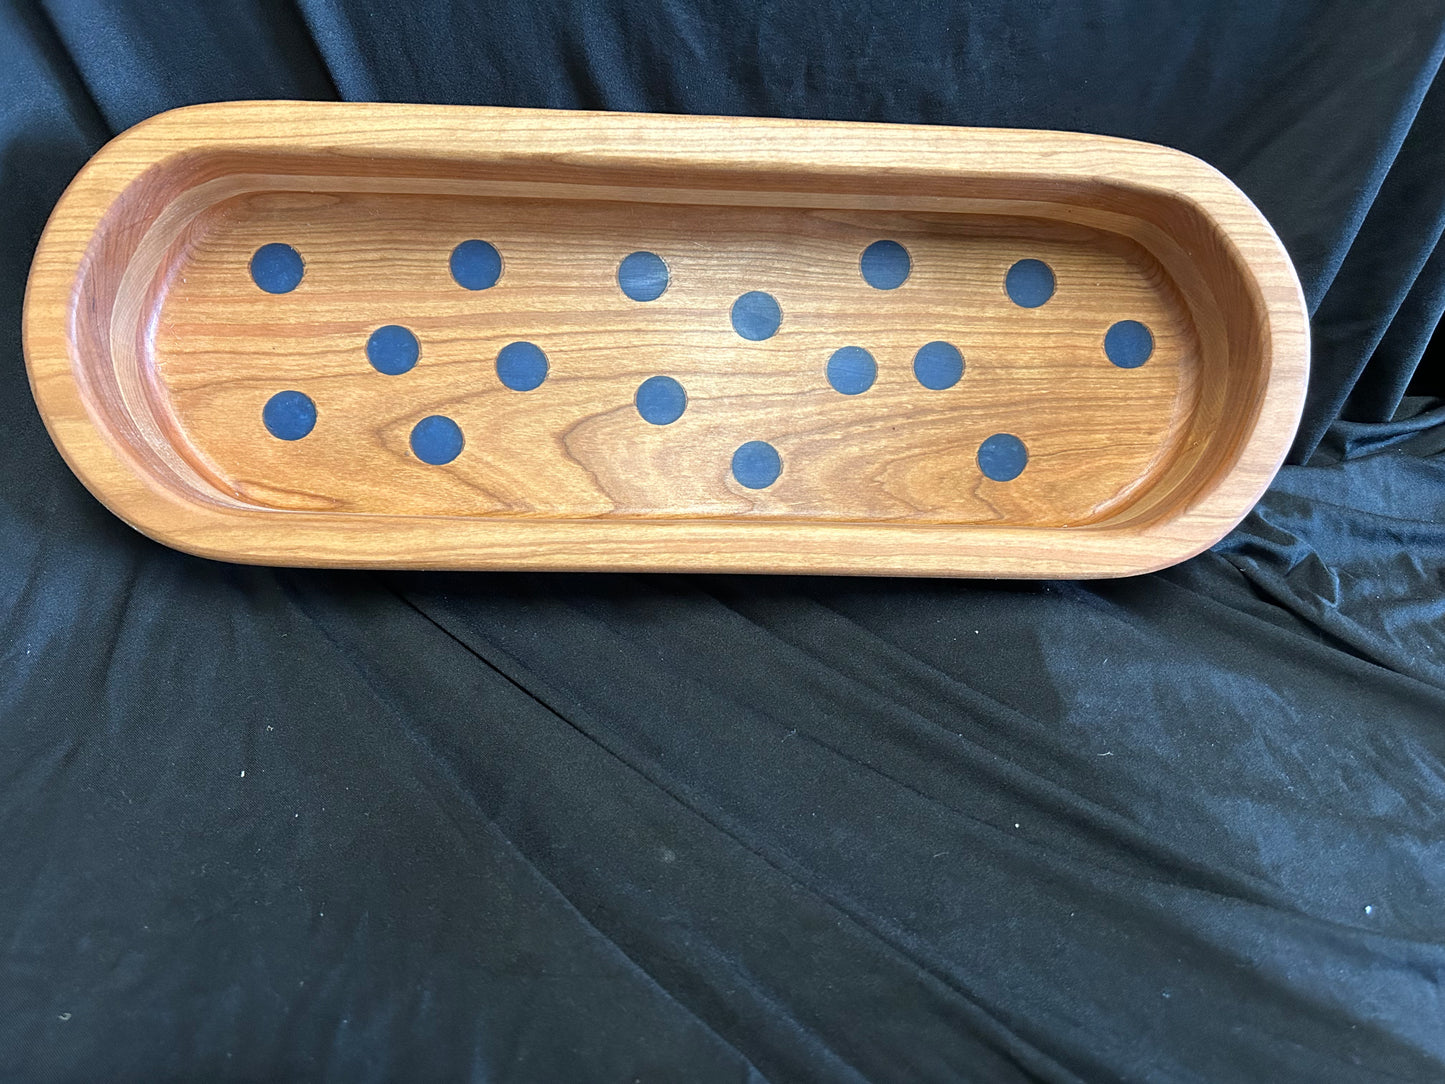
[{"x": 453, "y": 337}]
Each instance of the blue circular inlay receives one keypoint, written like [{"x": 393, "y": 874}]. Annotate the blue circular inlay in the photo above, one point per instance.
[
  {"x": 521, "y": 366},
  {"x": 661, "y": 400},
  {"x": 277, "y": 268},
  {"x": 1129, "y": 344},
  {"x": 1029, "y": 283},
  {"x": 476, "y": 265},
  {"x": 756, "y": 315},
  {"x": 852, "y": 370},
  {"x": 757, "y": 464},
  {"x": 289, "y": 415},
  {"x": 885, "y": 265},
  {"x": 642, "y": 276},
  {"x": 436, "y": 440},
  {"x": 1002, "y": 457},
  {"x": 392, "y": 350},
  {"x": 938, "y": 365}
]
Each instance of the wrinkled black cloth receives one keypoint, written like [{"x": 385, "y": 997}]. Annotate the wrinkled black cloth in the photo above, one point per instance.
[{"x": 277, "y": 824}]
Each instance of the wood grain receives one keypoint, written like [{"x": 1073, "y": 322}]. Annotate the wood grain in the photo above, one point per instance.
[{"x": 151, "y": 352}]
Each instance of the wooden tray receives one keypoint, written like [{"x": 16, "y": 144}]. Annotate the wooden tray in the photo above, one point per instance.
[{"x": 445, "y": 337}]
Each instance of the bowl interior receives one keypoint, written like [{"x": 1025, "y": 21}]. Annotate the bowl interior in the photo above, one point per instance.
[{"x": 451, "y": 354}]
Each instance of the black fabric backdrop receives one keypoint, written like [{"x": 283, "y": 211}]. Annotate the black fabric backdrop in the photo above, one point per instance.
[{"x": 269, "y": 824}]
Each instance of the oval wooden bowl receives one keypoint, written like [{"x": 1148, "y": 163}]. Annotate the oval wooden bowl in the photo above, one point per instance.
[{"x": 448, "y": 337}]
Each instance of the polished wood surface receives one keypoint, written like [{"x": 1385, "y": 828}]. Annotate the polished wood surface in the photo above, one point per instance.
[{"x": 153, "y": 353}]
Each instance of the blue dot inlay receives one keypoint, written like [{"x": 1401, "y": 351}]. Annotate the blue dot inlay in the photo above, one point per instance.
[
  {"x": 1002, "y": 457},
  {"x": 436, "y": 440},
  {"x": 392, "y": 350},
  {"x": 476, "y": 265},
  {"x": 756, "y": 316},
  {"x": 1128, "y": 344},
  {"x": 757, "y": 464},
  {"x": 277, "y": 268},
  {"x": 1029, "y": 283},
  {"x": 885, "y": 265},
  {"x": 289, "y": 415},
  {"x": 642, "y": 276},
  {"x": 661, "y": 400},
  {"x": 521, "y": 366},
  {"x": 938, "y": 365},
  {"x": 852, "y": 370}
]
